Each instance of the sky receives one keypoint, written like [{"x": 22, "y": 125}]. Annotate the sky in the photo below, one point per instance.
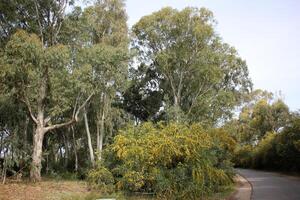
[{"x": 266, "y": 34}]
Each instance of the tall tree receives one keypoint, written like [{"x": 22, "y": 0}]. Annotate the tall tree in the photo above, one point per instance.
[
  {"x": 40, "y": 77},
  {"x": 203, "y": 76},
  {"x": 48, "y": 61},
  {"x": 108, "y": 28},
  {"x": 261, "y": 113},
  {"x": 99, "y": 37}
]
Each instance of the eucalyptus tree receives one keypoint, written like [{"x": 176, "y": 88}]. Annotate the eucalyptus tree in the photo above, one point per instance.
[
  {"x": 40, "y": 78},
  {"x": 107, "y": 56},
  {"x": 98, "y": 36},
  {"x": 203, "y": 76},
  {"x": 260, "y": 113},
  {"x": 39, "y": 73}
]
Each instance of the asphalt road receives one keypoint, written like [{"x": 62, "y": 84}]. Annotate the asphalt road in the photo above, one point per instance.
[{"x": 272, "y": 186}]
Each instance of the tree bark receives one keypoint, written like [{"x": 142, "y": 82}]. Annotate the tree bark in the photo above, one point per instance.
[
  {"x": 89, "y": 137},
  {"x": 41, "y": 129},
  {"x": 101, "y": 125},
  {"x": 75, "y": 148},
  {"x": 101, "y": 134},
  {"x": 1, "y": 143},
  {"x": 67, "y": 151},
  {"x": 35, "y": 172},
  {"x": 25, "y": 130},
  {"x": 98, "y": 133}
]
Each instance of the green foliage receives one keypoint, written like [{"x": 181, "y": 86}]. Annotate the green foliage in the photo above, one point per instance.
[
  {"x": 243, "y": 156},
  {"x": 25, "y": 63},
  {"x": 143, "y": 98},
  {"x": 279, "y": 151},
  {"x": 202, "y": 76},
  {"x": 260, "y": 114},
  {"x": 102, "y": 179},
  {"x": 170, "y": 161}
]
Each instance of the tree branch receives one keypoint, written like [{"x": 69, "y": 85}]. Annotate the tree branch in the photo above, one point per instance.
[
  {"x": 82, "y": 106},
  {"x": 29, "y": 110},
  {"x": 74, "y": 117},
  {"x": 39, "y": 22}
]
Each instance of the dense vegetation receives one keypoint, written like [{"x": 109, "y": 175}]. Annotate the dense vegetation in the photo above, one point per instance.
[
  {"x": 269, "y": 135},
  {"x": 149, "y": 109},
  {"x": 171, "y": 161}
]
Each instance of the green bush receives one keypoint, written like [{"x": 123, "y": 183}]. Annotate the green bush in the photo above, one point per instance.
[
  {"x": 243, "y": 156},
  {"x": 170, "y": 161},
  {"x": 101, "y": 178},
  {"x": 276, "y": 151}
]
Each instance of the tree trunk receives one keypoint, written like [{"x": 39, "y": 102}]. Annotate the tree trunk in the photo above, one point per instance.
[
  {"x": 98, "y": 133},
  {"x": 35, "y": 172},
  {"x": 100, "y": 125},
  {"x": 25, "y": 130},
  {"x": 176, "y": 101},
  {"x": 4, "y": 168},
  {"x": 75, "y": 148},
  {"x": 67, "y": 151},
  {"x": 1, "y": 143},
  {"x": 89, "y": 137},
  {"x": 101, "y": 135}
]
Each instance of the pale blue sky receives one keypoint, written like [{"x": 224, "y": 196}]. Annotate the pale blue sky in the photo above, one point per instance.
[{"x": 266, "y": 34}]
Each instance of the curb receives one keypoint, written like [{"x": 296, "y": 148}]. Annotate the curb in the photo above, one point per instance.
[
  {"x": 243, "y": 189},
  {"x": 251, "y": 195}
]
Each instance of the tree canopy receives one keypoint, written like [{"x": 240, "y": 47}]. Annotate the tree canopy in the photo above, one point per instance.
[{"x": 202, "y": 76}]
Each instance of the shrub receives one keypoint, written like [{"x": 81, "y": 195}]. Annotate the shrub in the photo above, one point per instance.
[
  {"x": 277, "y": 151},
  {"x": 170, "y": 161},
  {"x": 101, "y": 178},
  {"x": 243, "y": 156}
]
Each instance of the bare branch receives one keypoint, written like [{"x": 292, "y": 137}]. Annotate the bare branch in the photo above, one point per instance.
[
  {"x": 82, "y": 106},
  {"x": 74, "y": 117},
  {"x": 29, "y": 109},
  {"x": 39, "y": 22},
  {"x": 47, "y": 120}
]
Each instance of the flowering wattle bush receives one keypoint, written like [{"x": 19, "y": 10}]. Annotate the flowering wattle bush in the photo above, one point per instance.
[{"x": 169, "y": 161}]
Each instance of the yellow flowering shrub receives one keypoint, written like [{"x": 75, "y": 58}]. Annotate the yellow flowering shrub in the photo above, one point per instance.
[{"x": 173, "y": 160}]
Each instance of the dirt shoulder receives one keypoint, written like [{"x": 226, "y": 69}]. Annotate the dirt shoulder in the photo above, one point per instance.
[
  {"x": 48, "y": 190},
  {"x": 243, "y": 189}
]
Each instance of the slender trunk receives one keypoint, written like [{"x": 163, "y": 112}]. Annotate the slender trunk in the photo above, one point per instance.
[
  {"x": 25, "y": 130},
  {"x": 101, "y": 134},
  {"x": 89, "y": 138},
  {"x": 4, "y": 168},
  {"x": 100, "y": 124},
  {"x": 66, "y": 144},
  {"x": 176, "y": 101},
  {"x": 1, "y": 143},
  {"x": 177, "y": 108},
  {"x": 98, "y": 134},
  {"x": 47, "y": 164},
  {"x": 61, "y": 153},
  {"x": 55, "y": 154},
  {"x": 75, "y": 149},
  {"x": 35, "y": 172}
]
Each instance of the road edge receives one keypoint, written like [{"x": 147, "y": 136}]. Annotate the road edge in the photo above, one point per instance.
[{"x": 243, "y": 188}]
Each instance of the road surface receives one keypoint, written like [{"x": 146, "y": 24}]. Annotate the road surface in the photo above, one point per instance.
[{"x": 272, "y": 186}]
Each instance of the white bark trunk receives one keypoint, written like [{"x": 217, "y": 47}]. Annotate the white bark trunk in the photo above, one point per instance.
[
  {"x": 89, "y": 138},
  {"x": 101, "y": 135},
  {"x": 35, "y": 172},
  {"x": 75, "y": 149}
]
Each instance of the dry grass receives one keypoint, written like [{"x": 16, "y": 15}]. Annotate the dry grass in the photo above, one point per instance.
[
  {"x": 48, "y": 190},
  {"x": 65, "y": 190}
]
